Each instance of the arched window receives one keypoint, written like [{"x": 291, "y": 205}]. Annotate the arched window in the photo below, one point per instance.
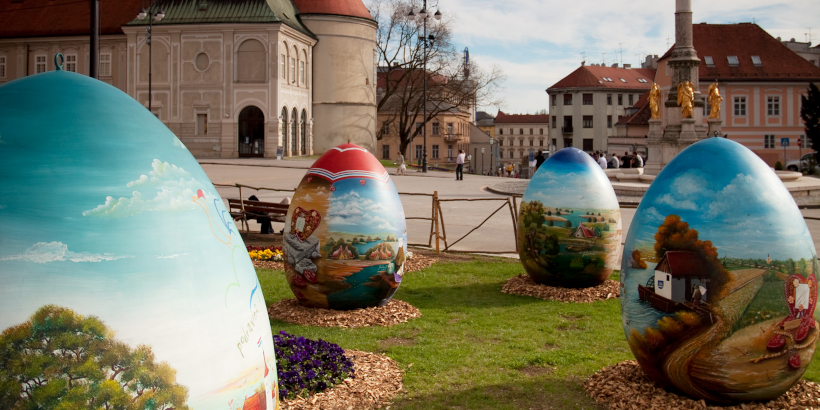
[
  {"x": 292, "y": 76},
  {"x": 294, "y": 146},
  {"x": 303, "y": 69},
  {"x": 304, "y": 132},
  {"x": 285, "y": 129},
  {"x": 250, "y": 62}
]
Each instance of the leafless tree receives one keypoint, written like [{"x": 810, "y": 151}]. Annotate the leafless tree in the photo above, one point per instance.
[{"x": 453, "y": 84}]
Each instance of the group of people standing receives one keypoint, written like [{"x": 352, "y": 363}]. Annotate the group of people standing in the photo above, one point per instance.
[{"x": 626, "y": 161}]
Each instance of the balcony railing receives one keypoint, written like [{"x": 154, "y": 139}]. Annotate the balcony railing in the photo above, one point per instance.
[
  {"x": 566, "y": 130},
  {"x": 451, "y": 137}
]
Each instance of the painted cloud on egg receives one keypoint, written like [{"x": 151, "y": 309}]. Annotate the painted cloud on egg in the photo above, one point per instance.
[{"x": 45, "y": 252}]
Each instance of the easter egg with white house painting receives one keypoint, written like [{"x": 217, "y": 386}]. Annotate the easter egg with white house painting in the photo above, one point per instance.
[
  {"x": 122, "y": 282},
  {"x": 345, "y": 234},
  {"x": 718, "y": 278}
]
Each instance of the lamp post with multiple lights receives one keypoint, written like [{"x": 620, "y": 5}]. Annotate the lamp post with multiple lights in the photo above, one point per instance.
[
  {"x": 152, "y": 16},
  {"x": 426, "y": 40}
]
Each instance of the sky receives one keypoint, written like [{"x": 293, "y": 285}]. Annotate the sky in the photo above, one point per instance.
[{"x": 537, "y": 43}]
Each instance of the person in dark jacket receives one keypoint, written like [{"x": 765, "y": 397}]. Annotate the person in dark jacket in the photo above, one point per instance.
[{"x": 539, "y": 159}]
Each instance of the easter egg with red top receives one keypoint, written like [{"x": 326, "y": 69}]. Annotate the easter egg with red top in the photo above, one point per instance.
[{"x": 345, "y": 235}]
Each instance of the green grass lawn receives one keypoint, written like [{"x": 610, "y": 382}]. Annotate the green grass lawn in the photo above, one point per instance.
[{"x": 477, "y": 348}]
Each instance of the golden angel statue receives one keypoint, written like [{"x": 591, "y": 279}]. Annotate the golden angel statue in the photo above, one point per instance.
[
  {"x": 686, "y": 98},
  {"x": 654, "y": 101},
  {"x": 714, "y": 100}
]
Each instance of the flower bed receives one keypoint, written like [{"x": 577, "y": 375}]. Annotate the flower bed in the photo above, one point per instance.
[
  {"x": 268, "y": 253},
  {"x": 308, "y": 366}
]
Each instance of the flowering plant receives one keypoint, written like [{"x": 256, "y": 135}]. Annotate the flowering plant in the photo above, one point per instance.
[
  {"x": 307, "y": 366},
  {"x": 270, "y": 253}
]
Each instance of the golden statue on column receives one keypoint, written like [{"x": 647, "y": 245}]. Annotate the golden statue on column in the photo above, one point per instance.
[
  {"x": 714, "y": 100},
  {"x": 654, "y": 101},
  {"x": 686, "y": 98}
]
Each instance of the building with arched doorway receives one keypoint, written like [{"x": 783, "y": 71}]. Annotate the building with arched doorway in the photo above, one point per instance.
[{"x": 231, "y": 79}]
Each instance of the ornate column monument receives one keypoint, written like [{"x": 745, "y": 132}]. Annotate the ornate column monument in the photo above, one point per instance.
[{"x": 681, "y": 122}]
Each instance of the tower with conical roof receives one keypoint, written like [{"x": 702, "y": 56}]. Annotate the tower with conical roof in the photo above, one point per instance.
[{"x": 344, "y": 72}]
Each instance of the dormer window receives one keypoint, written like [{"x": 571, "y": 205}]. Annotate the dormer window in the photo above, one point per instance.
[
  {"x": 733, "y": 61},
  {"x": 756, "y": 61},
  {"x": 709, "y": 61},
  {"x": 622, "y": 80}
]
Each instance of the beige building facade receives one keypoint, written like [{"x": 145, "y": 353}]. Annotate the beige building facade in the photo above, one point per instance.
[{"x": 519, "y": 134}]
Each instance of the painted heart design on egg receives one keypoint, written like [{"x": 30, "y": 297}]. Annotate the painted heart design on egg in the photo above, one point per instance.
[{"x": 303, "y": 223}]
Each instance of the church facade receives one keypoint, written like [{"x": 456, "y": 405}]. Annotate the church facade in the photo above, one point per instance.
[{"x": 230, "y": 78}]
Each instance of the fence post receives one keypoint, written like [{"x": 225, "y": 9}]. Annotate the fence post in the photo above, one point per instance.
[
  {"x": 435, "y": 218},
  {"x": 515, "y": 223}
]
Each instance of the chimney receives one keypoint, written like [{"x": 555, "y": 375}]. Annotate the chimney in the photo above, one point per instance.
[
  {"x": 627, "y": 65},
  {"x": 615, "y": 65}
]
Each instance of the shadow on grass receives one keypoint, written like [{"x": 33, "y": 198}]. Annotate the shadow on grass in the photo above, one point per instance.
[
  {"x": 477, "y": 295},
  {"x": 529, "y": 393}
]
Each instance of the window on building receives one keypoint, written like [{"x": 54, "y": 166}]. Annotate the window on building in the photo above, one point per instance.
[
  {"x": 553, "y": 121},
  {"x": 609, "y": 99},
  {"x": 39, "y": 64},
  {"x": 541, "y": 131},
  {"x": 532, "y": 143},
  {"x": 512, "y": 154},
  {"x": 70, "y": 63},
  {"x": 202, "y": 124},
  {"x": 520, "y": 143},
  {"x": 301, "y": 73},
  {"x": 709, "y": 61},
  {"x": 587, "y": 99},
  {"x": 105, "y": 65},
  {"x": 631, "y": 101},
  {"x": 250, "y": 62},
  {"x": 512, "y": 132},
  {"x": 740, "y": 106},
  {"x": 733, "y": 61},
  {"x": 386, "y": 128},
  {"x": 449, "y": 151},
  {"x": 609, "y": 121},
  {"x": 773, "y": 105},
  {"x": 282, "y": 69},
  {"x": 435, "y": 152},
  {"x": 768, "y": 141},
  {"x": 500, "y": 143},
  {"x": 530, "y": 131},
  {"x": 436, "y": 129},
  {"x": 587, "y": 121},
  {"x": 419, "y": 130},
  {"x": 385, "y": 151},
  {"x": 2, "y": 66},
  {"x": 540, "y": 143},
  {"x": 620, "y": 99},
  {"x": 567, "y": 99},
  {"x": 450, "y": 128},
  {"x": 292, "y": 76},
  {"x": 418, "y": 151},
  {"x": 756, "y": 61},
  {"x": 555, "y": 142},
  {"x": 587, "y": 144}
]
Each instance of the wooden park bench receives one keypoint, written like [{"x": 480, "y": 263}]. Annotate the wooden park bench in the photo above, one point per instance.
[{"x": 242, "y": 210}]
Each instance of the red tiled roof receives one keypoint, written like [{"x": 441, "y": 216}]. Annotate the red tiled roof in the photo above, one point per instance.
[
  {"x": 745, "y": 40},
  {"x": 684, "y": 263},
  {"x": 642, "y": 115},
  {"x": 503, "y": 118},
  {"x": 38, "y": 18},
  {"x": 353, "y": 8},
  {"x": 587, "y": 76}
]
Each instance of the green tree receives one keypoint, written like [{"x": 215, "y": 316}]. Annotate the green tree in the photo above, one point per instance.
[
  {"x": 59, "y": 359},
  {"x": 810, "y": 113},
  {"x": 568, "y": 224}
]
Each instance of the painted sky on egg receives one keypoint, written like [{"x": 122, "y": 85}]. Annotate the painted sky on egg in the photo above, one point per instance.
[
  {"x": 109, "y": 215},
  {"x": 570, "y": 178},
  {"x": 731, "y": 198}
]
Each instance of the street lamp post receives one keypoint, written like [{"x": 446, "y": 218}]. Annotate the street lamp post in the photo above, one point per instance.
[
  {"x": 425, "y": 39},
  {"x": 152, "y": 15}
]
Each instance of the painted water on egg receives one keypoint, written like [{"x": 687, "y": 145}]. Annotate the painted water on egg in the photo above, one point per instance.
[
  {"x": 113, "y": 235},
  {"x": 569, "y": 229},
  {"x": 347, "y": 237},
  {"x": 719, "y": 278}
]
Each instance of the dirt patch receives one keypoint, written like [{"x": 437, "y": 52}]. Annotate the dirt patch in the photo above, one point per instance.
[
  {"x": 378, "y": 380},
  {"x": 394, "y": 312},
  {"x": 535, "y": 371},
  {"x": 572, "y": 318},
  {"x": 257, "y": 239},
  {"x": 396, "y": 341},
  {"x": 565, "y": 327},
  {"x": 549, "y": 346},
  {"x": 524, "y": 285},
  {"x": 626, "y": 386}
]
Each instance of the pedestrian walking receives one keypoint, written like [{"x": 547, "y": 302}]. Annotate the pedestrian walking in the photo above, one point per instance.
[
  {"x": 400, "y": 164},
  {"x": 460, "y": 165}
]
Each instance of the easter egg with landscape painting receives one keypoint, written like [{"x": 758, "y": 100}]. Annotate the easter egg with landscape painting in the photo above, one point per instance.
[
  {"x": 345, "y": 234},
  {"x": 718, "y": 278}
]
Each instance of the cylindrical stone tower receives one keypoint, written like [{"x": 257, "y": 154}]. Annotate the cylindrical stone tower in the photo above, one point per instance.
[{"x": 344, "y": 72}]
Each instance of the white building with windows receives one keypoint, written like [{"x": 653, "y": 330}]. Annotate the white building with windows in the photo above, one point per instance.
[
  {"x": 229, "y": 78},
  {"x": 519, "y": 134},
  {"x": 586, "y": 104}
]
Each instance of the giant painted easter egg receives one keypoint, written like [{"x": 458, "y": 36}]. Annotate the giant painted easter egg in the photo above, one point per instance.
[
  {"x": 718, "y": 278},
  {"x": 569, "y": 225},
  {"x": 123, "y": 281},
  {"x": 345, "y": 234}
]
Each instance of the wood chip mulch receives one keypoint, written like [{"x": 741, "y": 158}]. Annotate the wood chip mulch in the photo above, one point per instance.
[
  {"x": 524, "y": 285},
  {"x": 394, "y": 312},
  {"x": 626, "y": 386},
  {"x": 268, "y": 265},
  {"x": 378, "y": 379},
  {"x": 416, "y": 263}
]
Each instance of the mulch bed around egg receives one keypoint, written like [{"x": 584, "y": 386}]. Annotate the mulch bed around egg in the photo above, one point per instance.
[
  {"x": 524, "y": 285},
  {"x": 378, "y": 379},
  {"x": 626, "y": 386},
  {"x": 394, "y": 312},
  {"x": 417, "y": 262}
]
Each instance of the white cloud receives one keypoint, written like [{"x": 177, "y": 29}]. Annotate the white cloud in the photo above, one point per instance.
[
  {"x": 172, "y": 256},
  {"x": 174, "y": 189},
  {"x": 742, "y": 193},
  {"x": 651, "y": 214},
  {"x": 45, "y": 252},
  {"x": 352, "y": 209}
]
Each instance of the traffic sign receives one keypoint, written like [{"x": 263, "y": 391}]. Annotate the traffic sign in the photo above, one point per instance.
[{"x": 784, "y": 142}]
